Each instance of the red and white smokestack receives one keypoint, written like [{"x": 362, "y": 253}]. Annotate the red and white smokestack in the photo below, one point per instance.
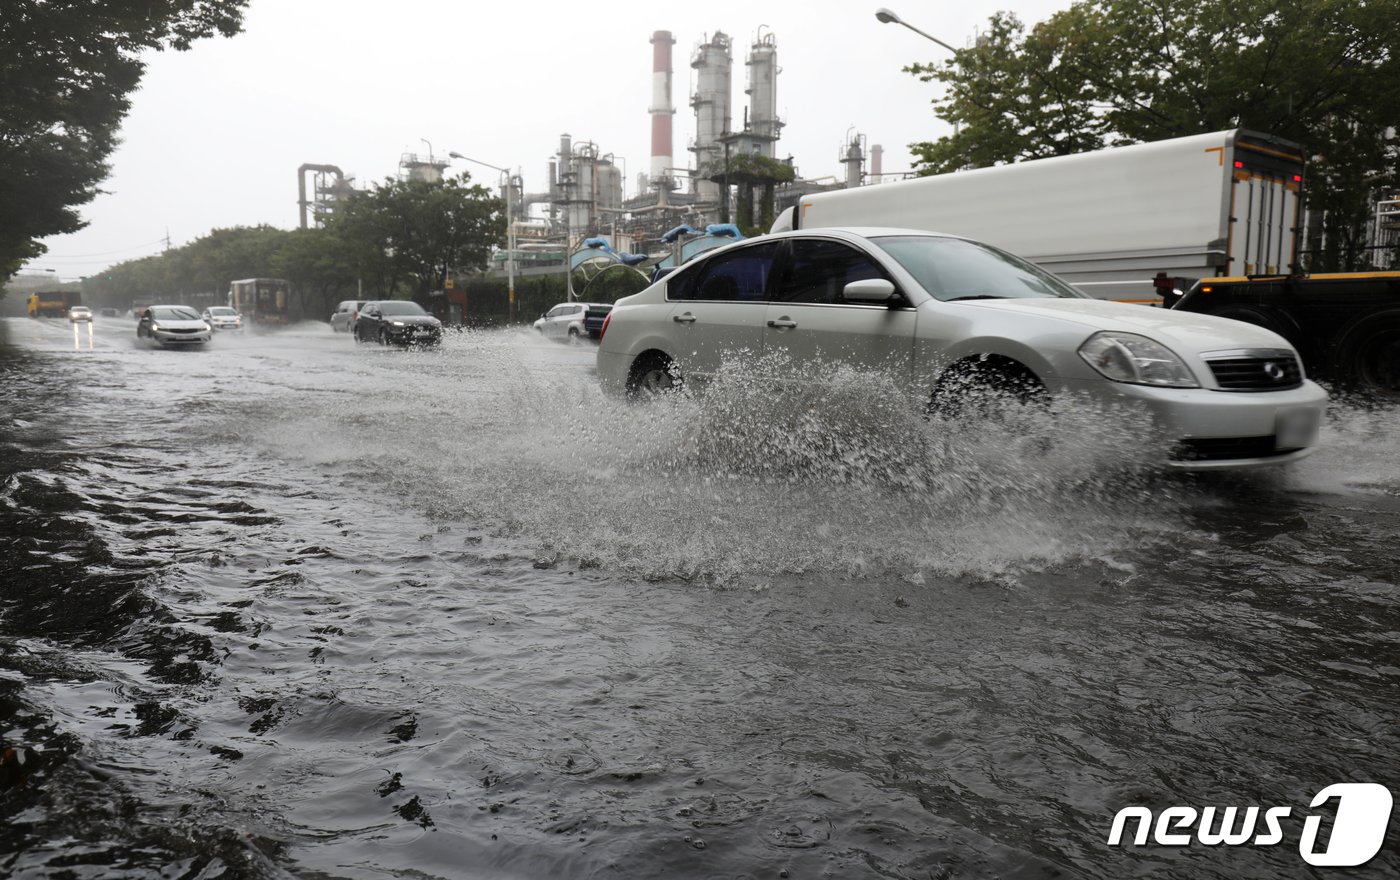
[{"x": 661, "y": 108}]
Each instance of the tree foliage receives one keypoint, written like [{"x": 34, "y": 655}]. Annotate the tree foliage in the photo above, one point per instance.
[
  {"x": 67, "y": 70},
  {"x": 401, "y": 237},
  {"x": 1107, "y": 72},
  {"x": 419, "y": 231}
]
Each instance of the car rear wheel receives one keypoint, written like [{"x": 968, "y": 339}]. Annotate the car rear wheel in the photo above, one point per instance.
[{"x": 652, "y": 376}]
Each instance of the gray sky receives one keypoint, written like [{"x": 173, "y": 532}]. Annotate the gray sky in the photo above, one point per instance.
[{"x": 216, "y": 134}]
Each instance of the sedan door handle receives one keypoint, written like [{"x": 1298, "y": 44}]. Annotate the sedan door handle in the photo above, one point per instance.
[
  {"x": 783, "y": 323},
  {"x": 686, "y": 318}
]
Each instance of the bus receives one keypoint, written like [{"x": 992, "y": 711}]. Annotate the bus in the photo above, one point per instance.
[{"x": 261, "y": 300}]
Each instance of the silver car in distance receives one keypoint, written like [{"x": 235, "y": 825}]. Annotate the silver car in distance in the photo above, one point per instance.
[
  {"x": 946, "y": 313},
  {"x": 173, "y": 326}
]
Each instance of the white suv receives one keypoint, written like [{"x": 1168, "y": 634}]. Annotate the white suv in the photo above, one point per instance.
[
  {"x": 945, "y": 314},
  {"x": 569, "y": 321}
]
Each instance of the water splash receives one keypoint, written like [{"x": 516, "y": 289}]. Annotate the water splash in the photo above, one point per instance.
[{"x": 752, "y": 479}]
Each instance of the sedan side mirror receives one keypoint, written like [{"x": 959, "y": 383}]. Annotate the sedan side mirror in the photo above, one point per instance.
[{"x": 875, "y": 291}]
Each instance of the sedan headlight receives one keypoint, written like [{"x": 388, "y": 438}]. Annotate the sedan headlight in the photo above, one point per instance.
[
  {"x": 1128, "y": 357},
  {"x": 398, "y": 323},
  {"x": 155, "y": 326}
]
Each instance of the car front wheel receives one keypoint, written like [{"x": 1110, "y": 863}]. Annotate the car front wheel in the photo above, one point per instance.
[{"x": 985, "y": 387}]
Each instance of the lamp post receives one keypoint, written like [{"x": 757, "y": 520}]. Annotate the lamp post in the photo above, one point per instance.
[
  {"x": 888, "y": 16},
  {"x": 510, "y": 228}
]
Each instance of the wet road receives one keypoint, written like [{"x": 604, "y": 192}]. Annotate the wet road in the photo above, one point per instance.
[{"x": 292, "y": 607}]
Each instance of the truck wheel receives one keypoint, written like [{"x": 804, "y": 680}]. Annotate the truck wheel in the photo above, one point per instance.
[
  {"x": 652, "y": 376},
  {"x": 1367, "y": 354},
  {"x": 985, "y": 387},
  {"x": 573, "y": 336}
]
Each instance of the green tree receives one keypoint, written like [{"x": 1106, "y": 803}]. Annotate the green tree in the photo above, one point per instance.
[
  {"x": 1106, "y": 72},
  {"x": 415, "y": 232},
  {"x": 319, "y": 264},
  {"x": 199, "y": 270},
  {"x": 67, "y": 70}
]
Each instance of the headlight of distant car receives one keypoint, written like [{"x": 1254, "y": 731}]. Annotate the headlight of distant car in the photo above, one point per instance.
[
  {"x": 398, "y": 323},
  {"x": 155, "y": 326},
  {"x": 1127, "y": 357}
]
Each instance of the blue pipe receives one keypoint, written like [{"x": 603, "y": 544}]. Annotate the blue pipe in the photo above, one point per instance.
[
  {"x": 676, "y": 233},
  {"x": 728, "y": 229}
]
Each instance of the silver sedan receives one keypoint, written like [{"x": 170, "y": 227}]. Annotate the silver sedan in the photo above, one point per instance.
[
  {"x": 951, "y": 319},
  {"x": 173, "y": 326}
]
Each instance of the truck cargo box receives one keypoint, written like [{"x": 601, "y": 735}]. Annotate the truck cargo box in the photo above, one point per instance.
[{"x": 1224, "y": 203}]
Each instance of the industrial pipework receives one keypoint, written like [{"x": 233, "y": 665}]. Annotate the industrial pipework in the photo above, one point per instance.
[{"x": 301, "y": 184}]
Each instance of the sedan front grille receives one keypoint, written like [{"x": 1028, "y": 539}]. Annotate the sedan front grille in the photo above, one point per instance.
[
  {"x": 1263, "y": 370},
  {"x": 1227, "y": 448}
]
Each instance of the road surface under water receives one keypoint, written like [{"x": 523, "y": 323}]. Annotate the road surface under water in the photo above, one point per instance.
[{"x": 289, "y": 606}]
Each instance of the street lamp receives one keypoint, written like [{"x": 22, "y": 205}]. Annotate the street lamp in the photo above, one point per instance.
[
  {"x": 887, "y": 16},
  {"x": 510, "y": 228}
]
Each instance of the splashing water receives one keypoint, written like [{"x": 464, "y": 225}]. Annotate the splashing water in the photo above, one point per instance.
[{"x": 839, "y": 470}]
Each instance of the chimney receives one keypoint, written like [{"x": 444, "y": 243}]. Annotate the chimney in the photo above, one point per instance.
[{"x": 661, "y": 107}]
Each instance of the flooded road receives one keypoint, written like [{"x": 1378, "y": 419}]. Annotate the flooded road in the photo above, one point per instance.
[{"x": 289, "y": 607}]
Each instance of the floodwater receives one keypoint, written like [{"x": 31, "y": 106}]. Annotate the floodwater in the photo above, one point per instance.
[{"x": 289, "y": 607}]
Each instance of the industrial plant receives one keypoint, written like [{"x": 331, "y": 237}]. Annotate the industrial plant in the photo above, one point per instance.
[{"x": 733, "y": 173}]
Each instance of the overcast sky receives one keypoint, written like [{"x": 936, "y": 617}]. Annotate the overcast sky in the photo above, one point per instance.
[{"x": 216, "y": 134}]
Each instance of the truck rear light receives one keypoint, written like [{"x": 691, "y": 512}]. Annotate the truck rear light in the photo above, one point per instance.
[{"x": 603, "y": 330}]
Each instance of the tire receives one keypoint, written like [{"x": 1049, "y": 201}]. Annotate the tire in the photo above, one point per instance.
[
  {"x": 383, "y": 337},
  {"x": 573, "y": 336},
  {"x": 985, "y": 387},
  {"x": 1366, "y": 356},
  {"x": 653, "y": 375}
]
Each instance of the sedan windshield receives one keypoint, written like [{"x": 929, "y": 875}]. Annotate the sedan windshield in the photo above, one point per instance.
[
  {"x": 953, "y": 269},
  {"x": 223, "y": 312},
  {"x": 174, "y": 313},
  {"x": 401, "y": 307}
]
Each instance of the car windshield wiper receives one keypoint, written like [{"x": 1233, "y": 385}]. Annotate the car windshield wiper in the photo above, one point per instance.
[{"x": 977, "y": 296}]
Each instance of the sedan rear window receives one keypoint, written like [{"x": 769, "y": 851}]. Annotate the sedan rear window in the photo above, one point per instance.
[
  {"x": 734, "y": 275},
  {"x": 952, "y": 269}
]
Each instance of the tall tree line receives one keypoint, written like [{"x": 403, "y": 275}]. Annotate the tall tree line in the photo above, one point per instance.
[{"x": 399, "y": 239}]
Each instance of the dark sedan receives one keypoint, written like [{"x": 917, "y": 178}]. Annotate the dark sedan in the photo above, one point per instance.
[{"x": 397, "y": 322}]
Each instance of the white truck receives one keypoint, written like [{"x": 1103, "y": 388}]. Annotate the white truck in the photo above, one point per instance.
[{"x": 1108, "y": 222}]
